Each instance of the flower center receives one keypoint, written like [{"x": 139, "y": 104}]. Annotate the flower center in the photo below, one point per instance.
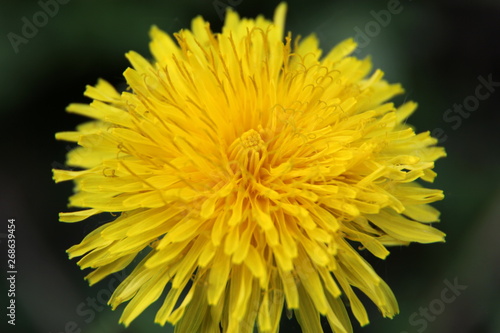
[{"x": 252, "y": 140}]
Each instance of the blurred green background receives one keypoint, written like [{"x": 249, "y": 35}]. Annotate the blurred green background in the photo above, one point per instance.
[{"x": 437, "y": 50}]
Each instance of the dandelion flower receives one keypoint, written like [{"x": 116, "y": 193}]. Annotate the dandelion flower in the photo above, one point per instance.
[{"x": 250, "y": 170}]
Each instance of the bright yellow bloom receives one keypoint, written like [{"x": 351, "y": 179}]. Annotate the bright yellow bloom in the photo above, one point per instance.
[{"x": 247, "y": 165}]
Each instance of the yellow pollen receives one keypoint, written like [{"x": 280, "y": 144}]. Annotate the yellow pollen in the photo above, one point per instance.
[{"x": 251, "y": 139}]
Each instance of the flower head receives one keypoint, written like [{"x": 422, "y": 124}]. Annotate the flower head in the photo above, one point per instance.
[{"x": 246, "y": 165}]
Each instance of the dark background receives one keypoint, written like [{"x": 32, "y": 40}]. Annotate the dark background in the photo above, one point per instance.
[{"x": 437, "y": 50}]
